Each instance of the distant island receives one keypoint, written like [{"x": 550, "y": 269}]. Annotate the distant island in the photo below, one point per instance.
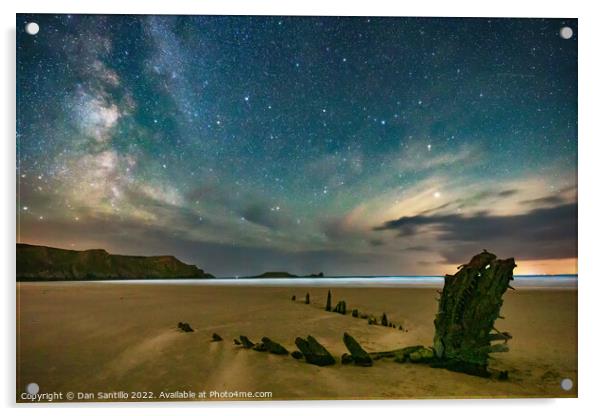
[
  {"x": 278, "y": 275},
  {"x": 271, "y": 275},
  {"x": 40, "y": 263}
]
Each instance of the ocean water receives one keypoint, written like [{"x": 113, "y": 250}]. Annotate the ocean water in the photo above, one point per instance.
[{"x": 532, "y": 281}]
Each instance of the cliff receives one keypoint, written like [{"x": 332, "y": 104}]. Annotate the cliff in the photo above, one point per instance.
[{"x": 48, "y": 263}]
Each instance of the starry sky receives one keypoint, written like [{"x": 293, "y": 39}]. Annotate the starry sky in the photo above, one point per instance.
[{"x": 349, "y": 146}]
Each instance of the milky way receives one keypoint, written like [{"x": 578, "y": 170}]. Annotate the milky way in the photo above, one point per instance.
[{"x": 378, "y": 146}]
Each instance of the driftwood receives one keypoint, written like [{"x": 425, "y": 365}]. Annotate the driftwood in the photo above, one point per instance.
[{"x": 464, "y": 325}]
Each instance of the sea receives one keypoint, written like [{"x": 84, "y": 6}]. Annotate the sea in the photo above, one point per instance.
[{"x": 564, "y": 281}]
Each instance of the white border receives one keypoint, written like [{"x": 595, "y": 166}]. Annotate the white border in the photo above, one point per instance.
[{"x": 590, "y": 151}]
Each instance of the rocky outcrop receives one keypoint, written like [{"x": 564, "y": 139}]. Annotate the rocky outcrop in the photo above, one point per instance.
[
  {"x": 35, "y": 263},
  {"x": 216, "y": 338},
  {"x": 314, "y": 352},
  {"x": 329, "y": 302}
]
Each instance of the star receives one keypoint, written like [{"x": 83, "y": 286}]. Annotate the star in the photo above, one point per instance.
[{"x": 147, "y": 122}]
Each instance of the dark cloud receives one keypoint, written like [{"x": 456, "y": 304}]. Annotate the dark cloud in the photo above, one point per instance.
[
  {"x": 339, "y": 229},
  {"x": 543, "y": 233},
  {"x": 418, "y": 248},
  {"x": 476, "y": 199},
  {"x": 265, "y": 216},
  {"x": 221, "y": 259},
  {"x": 485, "y": 196},
  {"x": 507, "y": 192},
  {"x": 437, "y": 208},
  {"x": 546, "y": 200}
]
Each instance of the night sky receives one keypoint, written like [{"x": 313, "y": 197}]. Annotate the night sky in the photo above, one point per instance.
[{"x": 349, "y": 146}]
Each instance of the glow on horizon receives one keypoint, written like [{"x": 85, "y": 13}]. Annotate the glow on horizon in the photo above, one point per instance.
[{"x": 539, "y": 267}]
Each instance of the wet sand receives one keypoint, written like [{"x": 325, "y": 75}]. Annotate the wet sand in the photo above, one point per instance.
[{"x": 106, "y": 337}]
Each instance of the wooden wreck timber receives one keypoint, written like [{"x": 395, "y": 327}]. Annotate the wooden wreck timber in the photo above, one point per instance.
[
  {"x": 341, "y": 307},
  {"x": 185, "y": 327},
  {"x": 246, "y": 342},
  {"x": 468, "y": 308},
  {"x": 329, "y": 302},
  {"x": 469, "y": 305},
  {"x": 314, "y": 352},
  {"x": 356, "y": 354}
]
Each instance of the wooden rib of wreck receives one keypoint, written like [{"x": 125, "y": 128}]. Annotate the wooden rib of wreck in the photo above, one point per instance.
[{"x": 328, "y": 302}]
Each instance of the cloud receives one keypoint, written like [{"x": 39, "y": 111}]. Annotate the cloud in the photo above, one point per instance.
[
  {"x": 270, "y": 217},
  {"x": 507, "y": 192},
  {"x": 418, "y": 158},
  {"x": 542, "y": 233},
  {"x": 546, "y": 200},
  {"x": 222, "y": 259},
  {"x": 485, "y": 196},
  {"x": 418, "y": 248}
]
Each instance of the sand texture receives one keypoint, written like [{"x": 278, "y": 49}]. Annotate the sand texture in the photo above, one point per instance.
[{"x": 102, "y": 337}]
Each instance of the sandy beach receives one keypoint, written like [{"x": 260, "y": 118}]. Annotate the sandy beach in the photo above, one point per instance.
[{"x": 105, "y": 337}]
